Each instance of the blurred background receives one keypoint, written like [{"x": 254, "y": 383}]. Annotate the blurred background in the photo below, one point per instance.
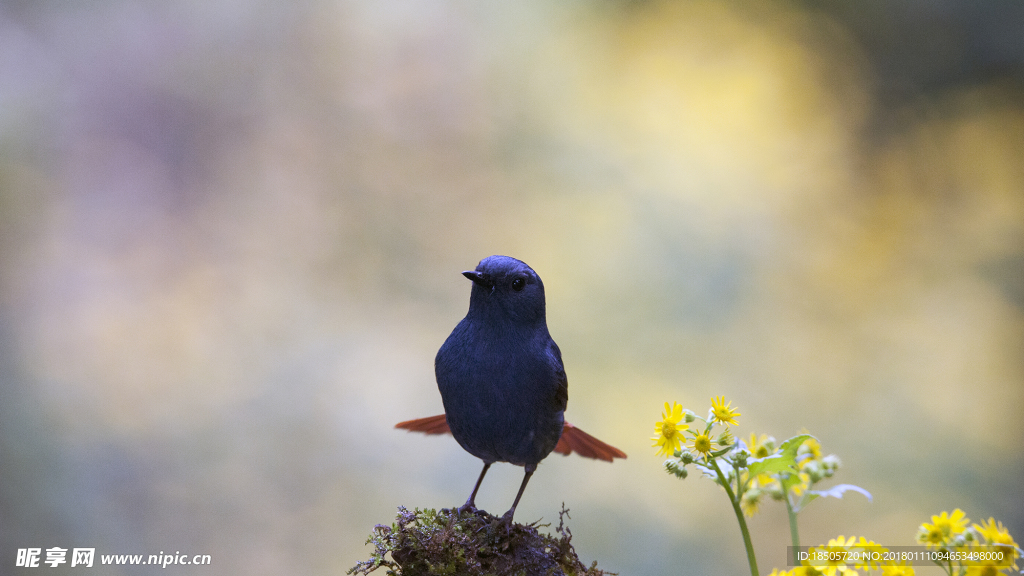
[{"x": 231, "y": 236}]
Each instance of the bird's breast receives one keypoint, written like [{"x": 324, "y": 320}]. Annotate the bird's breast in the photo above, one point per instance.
[{"x": 497, "y": 395}]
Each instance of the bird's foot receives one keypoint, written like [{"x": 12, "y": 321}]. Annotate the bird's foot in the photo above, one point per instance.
[
  {"x": 507, "y": 516},
  {"x": 506, "y": 521},
  {"x": 469, "y": 506}
]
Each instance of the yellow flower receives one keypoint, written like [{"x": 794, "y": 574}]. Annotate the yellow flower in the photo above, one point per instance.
[
  {"x": 834, "y": 552},
  {"x": 930, "y": 535},
  {"x": 750, "y": 501},
  {"x": 811, "y": 447},
  {"x": 669, "y": 431},
  {"x": 942, "y": 529},
  {"x": 804, "y": 484},
  {"x": 995, "y": 533},
  {"x": 951, "y": 524},
  {"x": 773, "y": 488},
  {"x": 723, "y": 412},
  {"x": 868, "y": 551},
  {"x": 759, "y": 446},
  {"x": 702, "y": 444},
  {"x": 976, "y": 569}
]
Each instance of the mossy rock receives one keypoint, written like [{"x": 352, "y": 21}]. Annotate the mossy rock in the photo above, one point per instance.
[{"x": 474, "y": 543}]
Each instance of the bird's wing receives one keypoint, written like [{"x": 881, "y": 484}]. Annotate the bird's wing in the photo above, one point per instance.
[
  {"x": 573, "y": 439},
  {"x": 562, "y": 391}
]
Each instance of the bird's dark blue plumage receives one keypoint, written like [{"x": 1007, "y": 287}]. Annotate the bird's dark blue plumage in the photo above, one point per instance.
[
  {"x": 501, "y": 378},
  {"x": 499, "y": 372}
]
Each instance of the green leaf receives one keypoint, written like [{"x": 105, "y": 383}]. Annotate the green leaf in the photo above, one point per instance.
[
  {"x": 723, "y": 451},
  {"x": 771, "y": 465},
  {"x": 793, "y": 444},
  {"x": 782, "y": 461},
  {"x": 788, "y": 481}
]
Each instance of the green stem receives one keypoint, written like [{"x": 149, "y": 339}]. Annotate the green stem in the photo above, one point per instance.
[
  {"x": 740, "y": 489},
  {"x": 794, "y": 534},
  {"x": 739, "y": 516}
]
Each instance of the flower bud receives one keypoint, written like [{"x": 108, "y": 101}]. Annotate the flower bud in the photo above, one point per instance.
[
  {"x": 814, "y": 471},
  {"x": 740, "y": 458},
  {"x": 831, "y": 462},
  {"x": 673, "y": 467},
  {"x": 726, "y": 438}
]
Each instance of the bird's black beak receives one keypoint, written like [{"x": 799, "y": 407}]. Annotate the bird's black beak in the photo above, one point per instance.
[{"x": 479, "y": 278}]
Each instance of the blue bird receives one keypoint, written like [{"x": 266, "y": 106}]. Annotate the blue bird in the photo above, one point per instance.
[{"x": 502, "y": 381}]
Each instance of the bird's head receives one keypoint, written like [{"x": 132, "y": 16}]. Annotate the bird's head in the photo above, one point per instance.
[{"x": 505, "y": 286}]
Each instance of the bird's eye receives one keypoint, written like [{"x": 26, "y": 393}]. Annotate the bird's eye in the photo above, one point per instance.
[{"x": 518, "y": 284}]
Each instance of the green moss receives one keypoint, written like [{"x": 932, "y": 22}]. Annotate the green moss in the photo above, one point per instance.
[{"x": 448, "y": 543}]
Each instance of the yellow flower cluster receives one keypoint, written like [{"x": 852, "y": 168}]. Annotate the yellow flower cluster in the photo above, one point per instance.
[
  {"x": 837, "y": 550},
  {"x": 943, "y": 529},
  {"x": 669, "y": 436},
  {"x": 811, "y": 468},
  {"x": 673, "y": 437},
  {"x": 749, "y": 470},
  {"x": 948, "y": 532}
]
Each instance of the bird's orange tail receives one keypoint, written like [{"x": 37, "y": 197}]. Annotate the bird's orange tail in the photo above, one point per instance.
[
  {"x": 573, "y": 439},
  {"x": 431, "y": 425}
]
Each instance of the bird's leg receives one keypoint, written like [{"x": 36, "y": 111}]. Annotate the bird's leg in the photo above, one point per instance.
[
  {"x": 530, "y": 468},
  {"x": 470, "y": 504}
]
